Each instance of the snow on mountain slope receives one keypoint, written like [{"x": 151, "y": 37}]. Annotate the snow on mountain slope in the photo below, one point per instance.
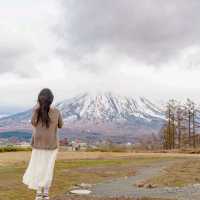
[
  {"x": 105, "y": 112},
  {"x": 108, "y": 107},
  {"x": 3, "y": 115}
]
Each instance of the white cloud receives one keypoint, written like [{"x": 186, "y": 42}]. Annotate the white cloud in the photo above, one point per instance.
[{"x": 35, "y": 51}]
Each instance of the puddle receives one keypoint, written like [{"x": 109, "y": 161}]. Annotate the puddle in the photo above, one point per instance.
[{"x": 80, "y": 192}]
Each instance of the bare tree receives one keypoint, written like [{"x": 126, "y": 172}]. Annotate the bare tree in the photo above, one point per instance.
[
  {"x": 180, "y": 129},
  {"x": 169, "y": 129}
]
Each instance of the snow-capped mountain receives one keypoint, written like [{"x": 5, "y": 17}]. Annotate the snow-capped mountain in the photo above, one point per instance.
[
  {"x": 108, "y": 108},
  {"x": 102, "y": 113}
]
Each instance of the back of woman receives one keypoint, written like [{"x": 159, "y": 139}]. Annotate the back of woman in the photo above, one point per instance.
[
  {"x": 45, "y": 121},
  {"x": 46, "y": 137}
]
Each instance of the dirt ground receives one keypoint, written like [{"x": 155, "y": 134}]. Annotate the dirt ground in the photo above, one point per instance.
[{"x": 101, "y": 198}]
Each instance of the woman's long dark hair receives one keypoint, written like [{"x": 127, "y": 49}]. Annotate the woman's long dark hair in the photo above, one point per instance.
[{"x": 45, "y": 99}]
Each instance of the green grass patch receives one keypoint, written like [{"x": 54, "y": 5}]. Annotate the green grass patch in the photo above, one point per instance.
[{"x": 12, "y": 148}]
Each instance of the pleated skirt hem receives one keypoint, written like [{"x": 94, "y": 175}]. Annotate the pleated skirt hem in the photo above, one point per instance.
[{"x": 40, "y": 170}]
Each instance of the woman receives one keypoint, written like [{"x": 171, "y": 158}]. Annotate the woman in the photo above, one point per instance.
[{"x": 45, "y": 121}]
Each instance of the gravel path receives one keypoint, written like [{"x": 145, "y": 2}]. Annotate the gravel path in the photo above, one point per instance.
[{"x": 126, "y": 186}]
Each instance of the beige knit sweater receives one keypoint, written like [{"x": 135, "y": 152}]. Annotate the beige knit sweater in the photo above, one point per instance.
[{"x": 46, "y": 138}]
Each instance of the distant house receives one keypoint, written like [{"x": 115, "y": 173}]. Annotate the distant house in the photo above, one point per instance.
[
  {"x": 64, "y": 142},
  {"x": 78, "y": 145},
  {"x": 128, "y": 144},
  {"x": 23, "y": 144}
]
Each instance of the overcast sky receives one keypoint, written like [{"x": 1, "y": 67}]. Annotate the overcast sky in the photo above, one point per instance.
[{"x": 145, "y": 48}]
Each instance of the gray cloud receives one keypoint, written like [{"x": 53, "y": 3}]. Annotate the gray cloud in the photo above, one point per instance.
[
  {"x": 16, "y": 59},
  {"x": 26, "y": 40},
  {"x": 84, "y": 45},
  {"x": 8, "y": 58},
  {"x": 151, "y": 31}
]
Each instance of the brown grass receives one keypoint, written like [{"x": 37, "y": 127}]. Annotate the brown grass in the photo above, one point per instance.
[
  {"x": 8, "y": 158},
  {"x": 71, "y": 168},
  {"x": 181, "y": 173}
]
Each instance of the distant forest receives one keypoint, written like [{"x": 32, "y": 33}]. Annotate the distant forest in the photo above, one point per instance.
[{"x": 16, "y": 134}]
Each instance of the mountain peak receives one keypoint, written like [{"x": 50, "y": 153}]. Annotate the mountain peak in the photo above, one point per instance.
[
  {"x": 108, "y": 106},
  {"x": 101, "y": 112}
]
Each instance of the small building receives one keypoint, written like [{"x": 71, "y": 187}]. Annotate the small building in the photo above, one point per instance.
[
  {"x": 23, "y": 144},
  {"x": 64, "y": 142},
  {"x": 78, "y": 145}
]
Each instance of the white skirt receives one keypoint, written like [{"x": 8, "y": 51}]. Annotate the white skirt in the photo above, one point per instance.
[{"x": 40, "y": 170}]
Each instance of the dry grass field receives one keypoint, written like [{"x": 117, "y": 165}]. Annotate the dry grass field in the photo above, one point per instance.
[
  {"x": 77, "y": 167},
  {"x": 23, "y": 156}
]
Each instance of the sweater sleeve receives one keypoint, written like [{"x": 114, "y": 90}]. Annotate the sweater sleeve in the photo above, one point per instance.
[{"x": 60, "y": 120}]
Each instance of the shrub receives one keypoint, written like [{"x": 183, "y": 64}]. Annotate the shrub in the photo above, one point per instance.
[{"x": 12, "y": 148}]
